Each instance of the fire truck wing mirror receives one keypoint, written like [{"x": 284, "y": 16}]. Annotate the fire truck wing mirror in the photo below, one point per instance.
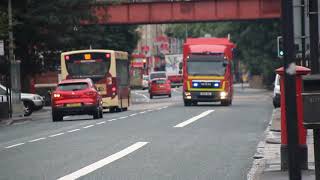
[
  {"x": 180, "y": 66},
  {"x": 180, "y": 72}
]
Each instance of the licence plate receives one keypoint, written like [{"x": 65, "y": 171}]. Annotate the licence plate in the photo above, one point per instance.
[
  {"x": 161, "y": 86},
  {"x": 206, "y": 93},
  {"x": 74, "y": 105}
]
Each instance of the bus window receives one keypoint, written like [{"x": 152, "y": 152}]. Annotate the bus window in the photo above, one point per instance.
[{"x": 97, "y": 65}]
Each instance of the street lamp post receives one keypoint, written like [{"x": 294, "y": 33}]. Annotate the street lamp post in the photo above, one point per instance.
[{"x": 16, "y": 107}]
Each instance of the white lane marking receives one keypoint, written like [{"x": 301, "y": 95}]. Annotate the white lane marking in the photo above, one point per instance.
[
  {"x": 74, "y": 130},
  {"x": 54, "y": 135},
  {"x": 103, "y": 122},
  {"x": 39, "y": 139},
  {"x": 15, "y": 145},
  {"x": 143, "y": 112},
  {"x": 160, "y": 108},
  {"x": 112, "y": 120},
  {"x": 149, "y": 110},
  {"x": 133, "y": 114},
  {"x": 123, "y": 117},
  {"x": 165, "y": 107},
  {"x": 99, "y": 164},
  {"x": 88, "y": 126},
  {"x": 185, "y": 123},
  {"x": 146, "y": 97}
]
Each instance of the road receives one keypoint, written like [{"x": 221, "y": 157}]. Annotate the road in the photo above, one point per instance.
[{"x": 156, "y": 139}]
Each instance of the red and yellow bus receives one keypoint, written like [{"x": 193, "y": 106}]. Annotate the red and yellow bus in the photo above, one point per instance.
[{"x": 108, "y": 69}]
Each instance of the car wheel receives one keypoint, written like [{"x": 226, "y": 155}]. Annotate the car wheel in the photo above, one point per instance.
[
  {"x": 169, "y": 95},
  {"x": 124, "y": 109},
  {"x": 27, "y": 108},
  {"x": 151, "y": 96},
  {"x": 194, "y": 103},
  {"x": 56, "y": 117},
  {"x": 96, "y": 114}
]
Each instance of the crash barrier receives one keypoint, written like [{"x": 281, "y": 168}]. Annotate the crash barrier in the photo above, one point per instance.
[{"x": 302, "y": 132}]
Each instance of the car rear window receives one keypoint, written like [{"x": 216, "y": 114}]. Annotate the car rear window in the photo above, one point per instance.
[
  {"x": 162, "y": 81},
  {"x": 73, "y": 86}
]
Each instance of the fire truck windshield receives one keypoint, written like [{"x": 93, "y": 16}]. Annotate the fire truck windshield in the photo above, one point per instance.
[{"x": 206, "y": 65}]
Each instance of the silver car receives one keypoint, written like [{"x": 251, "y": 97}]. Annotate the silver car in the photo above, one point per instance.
[{"x": 31, "y": 102}]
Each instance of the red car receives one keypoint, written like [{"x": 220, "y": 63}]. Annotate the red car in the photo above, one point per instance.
[
  {"x": 76, "y": 97},
  {"x": 159, "y": 87}
]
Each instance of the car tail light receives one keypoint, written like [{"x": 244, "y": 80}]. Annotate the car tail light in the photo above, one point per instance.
[
  {"x": 57, "y": 95},
  {"x": 68, "y": 76},
  {"x": 114, "y": 89}
]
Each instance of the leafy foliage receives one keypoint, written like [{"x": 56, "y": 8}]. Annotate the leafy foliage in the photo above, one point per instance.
[
  {"x": 256, "y": 41},
  {"x": 44, "y": 28}
]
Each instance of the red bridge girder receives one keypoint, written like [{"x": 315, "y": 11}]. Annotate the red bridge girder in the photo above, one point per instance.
[{"x": 187, "y": 11}]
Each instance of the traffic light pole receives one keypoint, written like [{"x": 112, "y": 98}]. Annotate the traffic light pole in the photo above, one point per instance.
[
  {"x": 314, "y": 36},
  {"x": 290, "y": 89}
]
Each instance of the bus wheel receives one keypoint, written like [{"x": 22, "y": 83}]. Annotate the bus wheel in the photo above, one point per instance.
[{"x": 112, "y": 109}]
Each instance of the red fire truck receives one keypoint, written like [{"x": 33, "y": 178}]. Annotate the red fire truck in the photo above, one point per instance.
[{"x": 207, "y": 71}]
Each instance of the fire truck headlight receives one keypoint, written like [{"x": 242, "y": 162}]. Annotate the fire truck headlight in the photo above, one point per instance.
[{"x": 223, "y": 95}]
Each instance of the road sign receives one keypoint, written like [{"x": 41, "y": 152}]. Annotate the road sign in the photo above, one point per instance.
[{"x": 1, "y": 48}]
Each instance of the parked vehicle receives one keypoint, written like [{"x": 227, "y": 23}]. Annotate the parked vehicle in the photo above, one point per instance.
[
  {"x": 276, "y": 92},
  {"x": 160, "y": 87},
  {"x": 145, "y": 82},
  {"x": 109, "y": 71},
  {"x": 173, "y": 70},
  {"x": 207, "y": 74},
  {"x": 76, "y": 97},
  {"x": 31, "y": 102}
]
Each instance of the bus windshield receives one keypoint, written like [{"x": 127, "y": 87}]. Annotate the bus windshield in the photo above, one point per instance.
[
  {"x": 206, "y": 65},
  {"x": 87, "y": 64}
]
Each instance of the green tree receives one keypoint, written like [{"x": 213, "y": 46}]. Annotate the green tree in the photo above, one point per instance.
[
  {"x": 256, "y": 41},
  {"x": 44, "y": 28}
]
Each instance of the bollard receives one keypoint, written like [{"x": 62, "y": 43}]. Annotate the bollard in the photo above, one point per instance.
[{"x": 302, "y": 132}]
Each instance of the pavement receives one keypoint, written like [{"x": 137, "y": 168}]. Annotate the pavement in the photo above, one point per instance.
[
  {"x": 154, "y": 140},
  {"x": 266, "y": 164}
]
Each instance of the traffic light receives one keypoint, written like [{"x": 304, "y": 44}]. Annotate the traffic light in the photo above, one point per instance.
[{"x": 280, "y": 46}]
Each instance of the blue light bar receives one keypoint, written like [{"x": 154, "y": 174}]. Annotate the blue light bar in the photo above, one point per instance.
[
  {"x": 195, "y": 84},
  {"x": 216, "y": 85}
]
